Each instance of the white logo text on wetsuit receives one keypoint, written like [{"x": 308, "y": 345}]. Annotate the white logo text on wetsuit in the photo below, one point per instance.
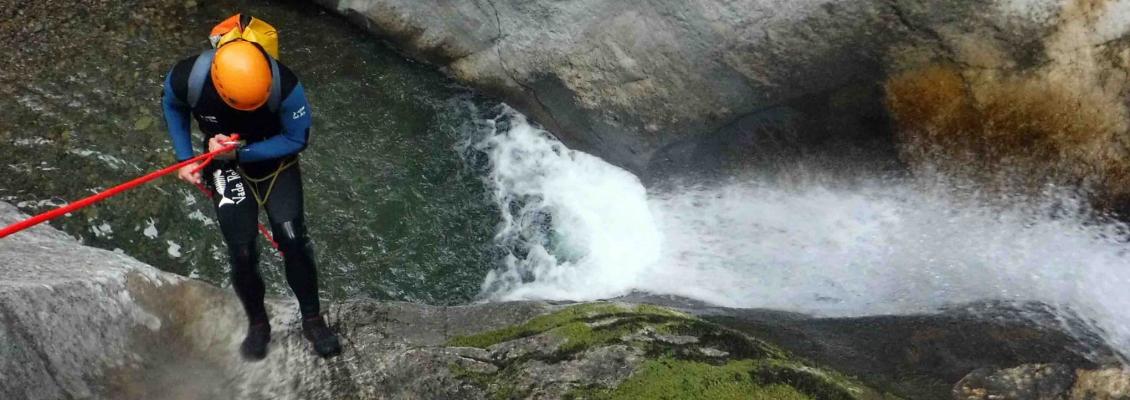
[{"x": 221, "y": 178}]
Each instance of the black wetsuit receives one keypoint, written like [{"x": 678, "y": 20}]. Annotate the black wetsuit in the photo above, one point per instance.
[{"x": 274, "y": 138}]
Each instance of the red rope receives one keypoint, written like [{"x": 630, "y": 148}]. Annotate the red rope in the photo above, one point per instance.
[
  {"x": 204, "y": 159},
  {"x": 271, "y": 240}
]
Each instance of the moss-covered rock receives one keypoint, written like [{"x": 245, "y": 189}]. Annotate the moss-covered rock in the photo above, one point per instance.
[{"x": 623, "y": 351}]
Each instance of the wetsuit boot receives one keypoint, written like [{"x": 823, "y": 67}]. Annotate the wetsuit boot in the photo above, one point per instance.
[
  {"x": 324, "y": 340},
  {"x": 249, "y": 288},
  {"x": 254, "y": 346}
]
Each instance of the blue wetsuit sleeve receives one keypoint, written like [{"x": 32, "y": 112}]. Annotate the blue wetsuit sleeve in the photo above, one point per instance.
[
  {"x": 294, "y": 114},
  {"x": 177, "y": 119}
]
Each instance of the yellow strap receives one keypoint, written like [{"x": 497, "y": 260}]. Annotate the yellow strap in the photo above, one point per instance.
[{"x": 272, "y": 176}]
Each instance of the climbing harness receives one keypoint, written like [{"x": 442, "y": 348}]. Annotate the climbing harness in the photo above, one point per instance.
[{"x": 273, "y": 177}]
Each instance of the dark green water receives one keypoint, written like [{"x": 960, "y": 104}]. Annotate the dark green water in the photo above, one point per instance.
[{"x": 394, "y": 212}]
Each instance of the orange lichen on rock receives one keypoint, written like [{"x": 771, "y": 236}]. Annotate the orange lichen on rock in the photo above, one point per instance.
[{"x": 1016, "y": 134}]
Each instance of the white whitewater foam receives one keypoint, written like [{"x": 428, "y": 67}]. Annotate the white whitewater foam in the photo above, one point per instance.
[
  {"x": 577, "y": 221},
  {"x": 578, "y": 228}
]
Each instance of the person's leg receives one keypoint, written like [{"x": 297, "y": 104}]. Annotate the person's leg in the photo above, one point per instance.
[
  {"x": 246, "y": 281},
  {"x": 237, "y": 214},
  {"x": 288, "y": 223}
]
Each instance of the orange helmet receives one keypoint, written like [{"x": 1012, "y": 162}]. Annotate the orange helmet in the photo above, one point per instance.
[{"x": 242, "y": 75}]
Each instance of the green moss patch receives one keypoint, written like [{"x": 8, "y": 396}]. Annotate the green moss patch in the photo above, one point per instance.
[
  {"x": 675, "y": 362},
  {"x": 497, "y": 385},
  {"x": 677, "y": 379},
  {"x": 570, "y": 322}
]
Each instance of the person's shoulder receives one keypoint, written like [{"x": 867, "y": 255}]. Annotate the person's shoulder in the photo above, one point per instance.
[
  {"x": 289, "y": 79},
  {"x": 178, "y": 76},
  {"x": 188, "y": 60},
  {"x": 184, "y": 66}
]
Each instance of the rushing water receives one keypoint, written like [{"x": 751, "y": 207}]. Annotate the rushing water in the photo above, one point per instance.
[{"x": 578, "y": 228}]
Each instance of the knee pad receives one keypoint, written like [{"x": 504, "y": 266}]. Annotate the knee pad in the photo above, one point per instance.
[{"x": 291, "y": 236}]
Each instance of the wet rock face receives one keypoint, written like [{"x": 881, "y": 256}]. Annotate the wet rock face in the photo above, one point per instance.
[
  {"x": 79, "y": 322},
  {"x": 1016, "y": 114},
  {"x": 626, "y": 79}
]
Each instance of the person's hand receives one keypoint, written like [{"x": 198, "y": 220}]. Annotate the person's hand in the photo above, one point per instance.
[
  {"x": 219, "y": 142},
  {"x": 187, "y": 174}
]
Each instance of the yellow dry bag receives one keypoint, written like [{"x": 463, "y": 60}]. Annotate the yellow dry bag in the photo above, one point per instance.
[{"x": 251, "y": 29}]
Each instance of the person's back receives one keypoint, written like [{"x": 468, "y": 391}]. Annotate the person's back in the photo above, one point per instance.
[{"x": 240, "y": 88}]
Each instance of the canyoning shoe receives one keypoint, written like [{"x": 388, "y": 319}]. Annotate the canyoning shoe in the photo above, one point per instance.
[
  {"x": 254, "y": 346},
  {"x": 324, "y": 340}
]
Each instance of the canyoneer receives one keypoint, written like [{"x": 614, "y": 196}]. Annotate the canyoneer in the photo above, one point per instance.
[{"x": 240, "y": 87}]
